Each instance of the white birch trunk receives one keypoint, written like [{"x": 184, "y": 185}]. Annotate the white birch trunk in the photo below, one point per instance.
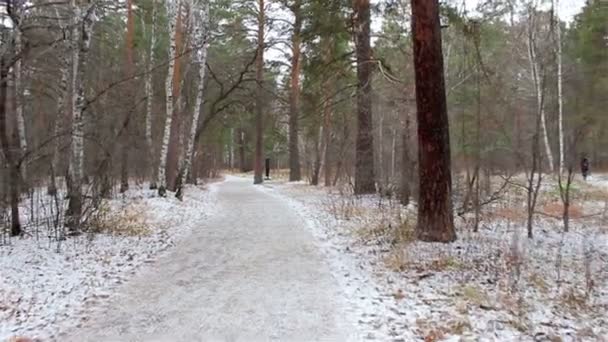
[
  {"x": 82, "y": 30},
  {"x": 539, "y": 94},
  {"x": 393, "y": 153},
  {"x": 381, "y": 148},
  {"x": 75, "y": 160},
  {"x": 543, "y": 123},
  {"x": 172, "y": 7},
  {"x": 200, "y": 40},
  {"x": 59, "y": 121},
  {"x": 149, "y": 89},
  {"x": 19, "y": 103},
  {"x": 560, "y": 102}
]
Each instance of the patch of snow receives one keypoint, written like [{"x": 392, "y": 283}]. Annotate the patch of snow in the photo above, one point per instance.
[
  {"x": 494, "y": 285},
  {"x": 47, "y": 286}
]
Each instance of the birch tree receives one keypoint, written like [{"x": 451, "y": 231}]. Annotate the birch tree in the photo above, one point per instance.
[
  {"x": 150, "y": 91},
  {"x": 17, "y": 74},
  {"x": 538, "y": 81},
  {"x": 82, "y": 28},
  {"x": 560, "y": 101},
  {"x": 172, "y": 13},
  {"x": 200, "y": 43}
]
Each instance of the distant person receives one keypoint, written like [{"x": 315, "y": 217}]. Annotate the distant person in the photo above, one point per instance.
[{"x": 585, "y": 167}]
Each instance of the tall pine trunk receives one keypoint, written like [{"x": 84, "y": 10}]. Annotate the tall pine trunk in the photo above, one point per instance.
[
  {"x": 129, "y": 73},
  {"x": 435, "y": 216},
  {"x": 364, "y": 164},
  {"x": 172, "y": 10},
  {"x": 295, "y": 172},
  {"x": 258, "y": 167}
]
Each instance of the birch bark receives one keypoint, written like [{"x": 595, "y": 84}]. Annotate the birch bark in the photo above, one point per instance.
[
  {"x": 172, "y": 7},
  {"x": 200, "y": 42}
]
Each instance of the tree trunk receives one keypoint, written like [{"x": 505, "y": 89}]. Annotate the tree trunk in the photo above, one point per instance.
[
  {"x": 539, "y": 88},
  {"x": 364, "y": 165},
  {"x": 176, "y": 124},
  {"x": 316, "y": 166},
  {"x": 231, "y": 152},
  {"x": 295, "y": 172},
  {"x": 560, "y": 101},
  {"x": 129, "y": 73},
  {"x": 327, "y": 44},
  {"x": 82, "y": 30},
  {"x": 173, "y": 14},
  {"x": 59, "y": 122},
  {"x": 13, "y": 168},
  {"x": 435, "y": 217},
  {"x": 382, "y": 174},
  {"x": 201, "y": 33},
  {"x": 406, "y": 164},
  {"x": 477, "y": 194},
  {"x": 241, "y": 142},
  {"x": 150, "y": 96},
  {"x": 18, "y": 75},
  {"x": 259, "y": 109},
  {"x": 61, "y": 113},
  {"x": 393, "y": 153},
  {"x": 326, "y": 137}
]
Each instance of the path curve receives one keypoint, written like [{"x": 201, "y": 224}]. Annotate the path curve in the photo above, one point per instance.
[{"x": 252, "y": 272}]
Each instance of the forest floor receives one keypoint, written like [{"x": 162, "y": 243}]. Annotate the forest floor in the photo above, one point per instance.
[
  {"x": 48, "y": 285},
  {"x": 490, "y": 285},
  {"x": 287, "y": 261},
  {"x": 249, "y": 271}
]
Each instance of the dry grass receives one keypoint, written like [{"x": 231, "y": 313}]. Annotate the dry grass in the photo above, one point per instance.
[
  {"x": 574, "y": 300},
  {"x": 512, "y": 214},
  {"x": 437, "y": 331},
  {"x": 595, "y": 194},
  {"x": 556, "y": 209},
  {"x": 127, "y": 221}
]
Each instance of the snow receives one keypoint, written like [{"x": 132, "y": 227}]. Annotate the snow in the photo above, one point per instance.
[
  {"x": 600, "y": 180},
  {"x": 313, "y": 263},
  {"x": 251, "y": 272},
  {"x": 48, "y": 286},
  {"x": 492, "y": 285}
]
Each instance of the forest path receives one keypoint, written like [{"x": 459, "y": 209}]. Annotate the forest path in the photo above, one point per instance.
[{"x": 251, "y": 273}]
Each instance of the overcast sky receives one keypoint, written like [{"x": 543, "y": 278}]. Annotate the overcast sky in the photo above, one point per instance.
[{"x": 567, "y": 9}]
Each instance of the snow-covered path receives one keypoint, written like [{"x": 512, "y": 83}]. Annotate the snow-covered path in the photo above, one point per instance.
[{"x": 251, "y": 273}]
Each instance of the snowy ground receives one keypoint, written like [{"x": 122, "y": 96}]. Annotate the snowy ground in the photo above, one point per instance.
[
  {"x": 48, "y": 286},
  {"x": 252, "y": 272},
  {"x": 287, "y": 261},
  {"x": 494, "y": 285}
]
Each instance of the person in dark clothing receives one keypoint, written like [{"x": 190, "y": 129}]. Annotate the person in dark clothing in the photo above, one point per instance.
[{"x": 585, "y": 167}]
